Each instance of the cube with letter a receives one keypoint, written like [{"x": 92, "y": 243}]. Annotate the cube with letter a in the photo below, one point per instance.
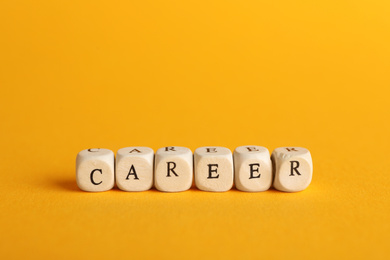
[{"x": 134, "y": 168}]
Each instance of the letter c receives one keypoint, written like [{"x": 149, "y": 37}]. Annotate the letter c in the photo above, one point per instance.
[{"x": 91, "y": 176}]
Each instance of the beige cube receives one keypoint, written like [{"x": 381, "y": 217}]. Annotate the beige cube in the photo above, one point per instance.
[
  {"x": 173, "y": 169},
  {"x": 213, "y": 168},
  {"x": 95, "y": 170},
  {"x": 134, "y": 168},
  {"x": 253, "y": 168},
  {"x": 293, "y": 168}
]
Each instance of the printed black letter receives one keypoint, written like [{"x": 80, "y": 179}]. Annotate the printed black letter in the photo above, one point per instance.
[
  {"x": 212, "y": 170},
  {"x": 132, "y": 172},
  {"x": 91, "y": 176},
  {"x": 211, "y": 150},
  {"x": 254, "y": 170},
  {"x": 294, "y": 168},
  {"x": 171, "y": 169}
]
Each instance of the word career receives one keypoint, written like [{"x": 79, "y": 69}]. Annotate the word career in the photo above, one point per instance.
[{"x": 173, "y": 169}]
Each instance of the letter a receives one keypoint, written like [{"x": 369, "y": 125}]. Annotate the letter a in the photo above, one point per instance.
[{"x": 132, "y": 172}]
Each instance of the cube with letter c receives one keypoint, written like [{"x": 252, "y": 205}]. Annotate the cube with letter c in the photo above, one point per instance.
[{"x": 95, "y": 169}]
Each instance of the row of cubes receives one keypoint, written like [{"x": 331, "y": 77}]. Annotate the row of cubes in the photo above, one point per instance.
[{"x": 214, "y": 168}]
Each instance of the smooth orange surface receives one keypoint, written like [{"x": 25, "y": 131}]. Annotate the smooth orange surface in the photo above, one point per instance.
[{"x": 111, "y": 74}]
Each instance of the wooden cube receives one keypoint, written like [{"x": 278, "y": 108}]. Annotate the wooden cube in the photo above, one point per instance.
[
  {"x": 253, "y": 168},
  {"x": 293, "y": 168},
  {"x": 95, "y": 169},
  {"x": 213, "y": 168},
  {"x": 134, "y": 168},
  {"x": 173, "y": 169}
]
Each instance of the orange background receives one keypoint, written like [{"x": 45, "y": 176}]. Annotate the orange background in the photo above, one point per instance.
[{"x": 111, "y": 74}]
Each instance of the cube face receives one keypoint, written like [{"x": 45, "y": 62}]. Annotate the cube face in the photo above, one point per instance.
[
  {"x": 173, "y": 169},
  {"x": 293, "y": 168},
  {"x": 213, "y": 168},
  {"x": 134, "y": 168},
  {"x": 95, "y": 170},
  {"x": 253, "y": 168}
]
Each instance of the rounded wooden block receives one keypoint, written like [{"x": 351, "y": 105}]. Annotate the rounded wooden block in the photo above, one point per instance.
[
  {"x": 95, "y": 170},
  {"x": 253, "y": 168},
  {"x": 134, "y": 168},
  {"x": 173, "y": 169},
  {"x": 213, "y": 168},
  {"x": 293, "y": 168}
]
